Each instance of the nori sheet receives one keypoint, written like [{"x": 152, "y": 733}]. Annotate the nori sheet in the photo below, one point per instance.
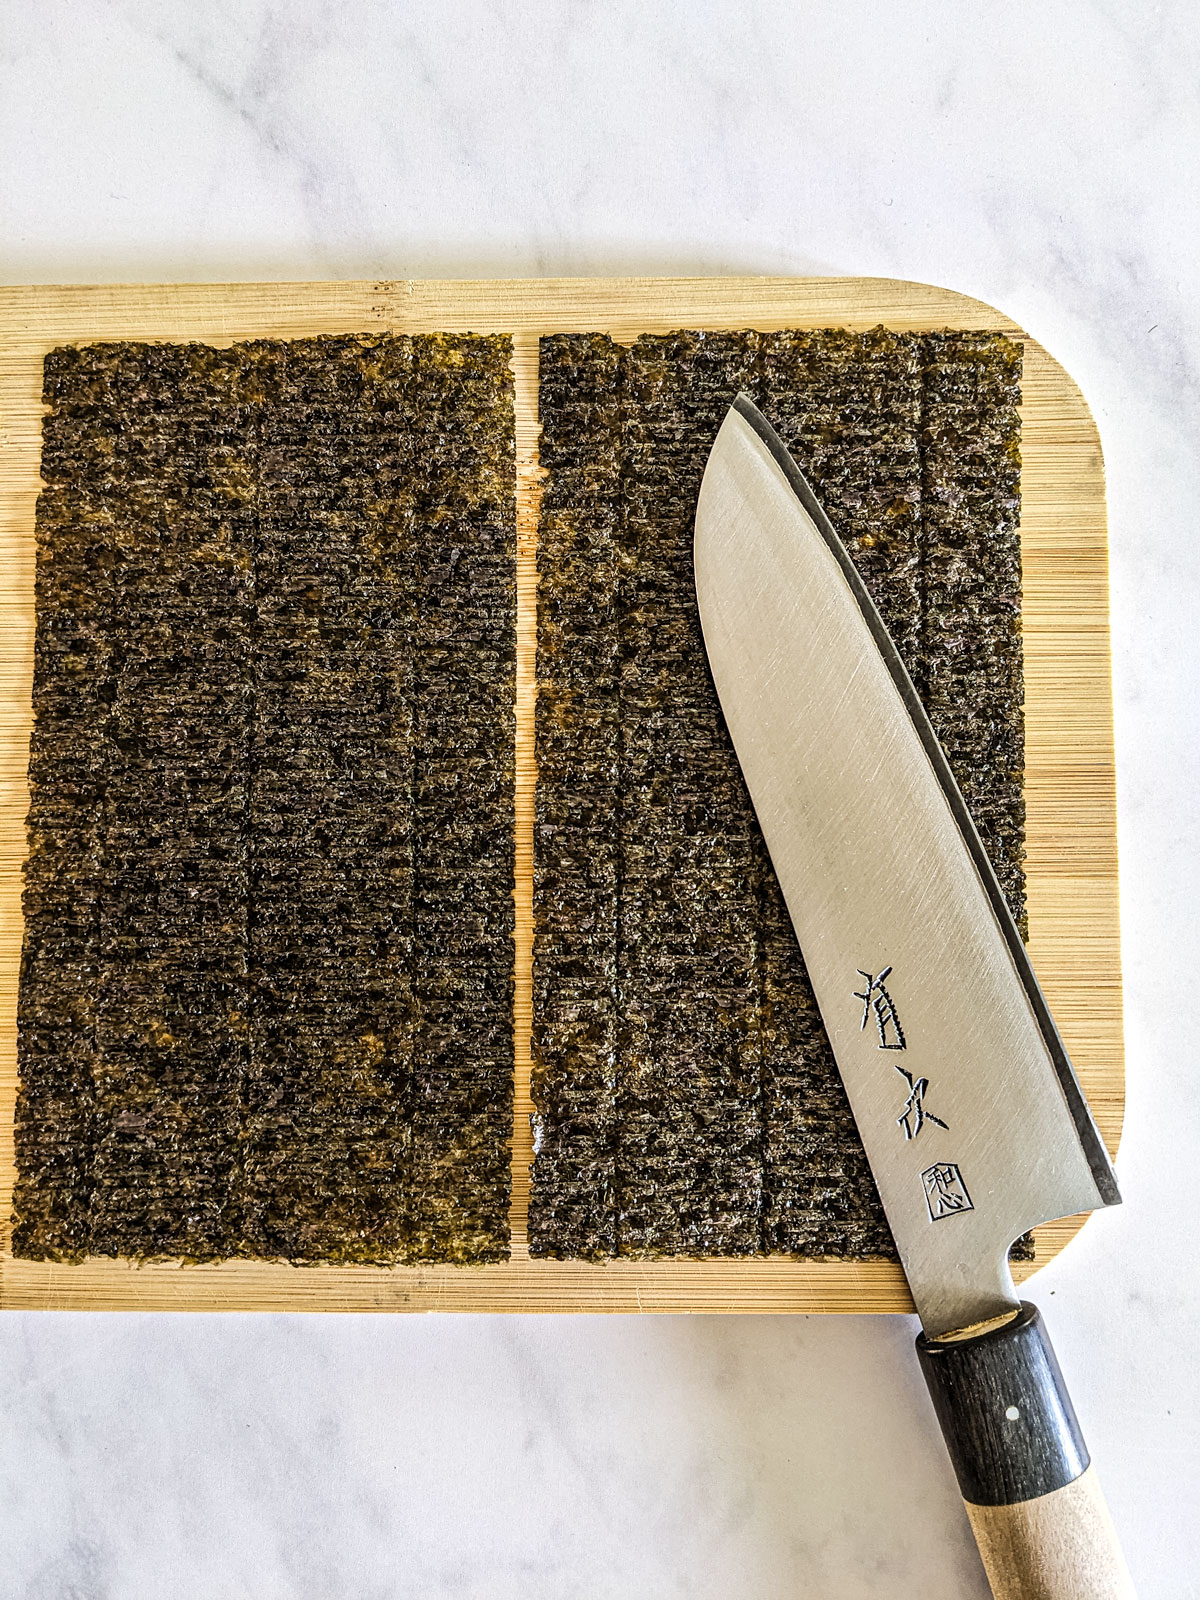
[
  {"x": 265, "y": 999},
  {"x": 686, "y": 1100}
]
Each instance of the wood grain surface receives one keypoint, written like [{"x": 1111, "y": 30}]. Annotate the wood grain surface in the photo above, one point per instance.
[
  {"x": 1072, "y": 864},
  {"x": 1062, "y": 1546}
]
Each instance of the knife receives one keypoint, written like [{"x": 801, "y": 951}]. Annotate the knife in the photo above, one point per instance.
[{"x": 972, "y": 1119}]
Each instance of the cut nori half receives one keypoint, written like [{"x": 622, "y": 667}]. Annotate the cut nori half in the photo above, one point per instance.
[
  {"x": 265, "y": 1000},
  {"x": 686, "y": 1099}
]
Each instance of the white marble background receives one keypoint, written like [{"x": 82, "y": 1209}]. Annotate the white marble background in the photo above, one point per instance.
[{"x": 1040, "y": 154}]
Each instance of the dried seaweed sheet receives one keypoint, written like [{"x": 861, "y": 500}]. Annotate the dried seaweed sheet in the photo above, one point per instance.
[
  {"x": 265, "y": 996},
  {"x": 686, "y": 1101}
]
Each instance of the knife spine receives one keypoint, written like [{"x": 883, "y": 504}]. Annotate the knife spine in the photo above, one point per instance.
[{"x": 1089, "y": 1137}]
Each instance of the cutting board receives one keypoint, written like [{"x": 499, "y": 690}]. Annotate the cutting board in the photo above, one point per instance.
[{"x": 1072, "y": 861}]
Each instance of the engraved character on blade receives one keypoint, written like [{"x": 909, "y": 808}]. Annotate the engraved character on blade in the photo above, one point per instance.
[
  {"x": 945, "y": 1192},
  {"x": 876, "y": 998},
  {"x": 914, "y": 1107}
]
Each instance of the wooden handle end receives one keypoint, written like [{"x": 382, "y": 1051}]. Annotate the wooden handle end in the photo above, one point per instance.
[{"x": 1061, "y": 1546}]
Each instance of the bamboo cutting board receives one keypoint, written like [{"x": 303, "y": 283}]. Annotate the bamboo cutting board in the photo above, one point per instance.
[{"x": 1069, "y": 787}]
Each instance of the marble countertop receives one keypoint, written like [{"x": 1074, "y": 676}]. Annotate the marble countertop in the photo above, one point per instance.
[{"x": 1041, "y": 158}]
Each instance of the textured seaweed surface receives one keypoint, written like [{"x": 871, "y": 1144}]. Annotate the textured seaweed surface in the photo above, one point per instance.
[
  {"x": 265, "y": 994},
  {"x": 686, "y": 1098}
]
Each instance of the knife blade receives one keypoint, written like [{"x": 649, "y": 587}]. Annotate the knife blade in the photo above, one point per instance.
[{"x": 972, "y": 1118}]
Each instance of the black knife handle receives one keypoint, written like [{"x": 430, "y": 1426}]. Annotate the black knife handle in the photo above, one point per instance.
[
  {"x": 1035, "y": 1505},
  {"x": 1009, "y": 1424}
]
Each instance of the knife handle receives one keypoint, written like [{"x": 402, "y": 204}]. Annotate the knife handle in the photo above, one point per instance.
[{"x": 1036, "y": 1507}]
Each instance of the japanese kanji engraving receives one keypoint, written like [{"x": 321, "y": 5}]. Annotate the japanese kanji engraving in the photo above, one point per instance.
[
  {"x": 945, "y": 1192},
  {"x": 875, "y": 998},
  {"x": 914, "y": 1116},
  {"x": 877, "y": 1002}
]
